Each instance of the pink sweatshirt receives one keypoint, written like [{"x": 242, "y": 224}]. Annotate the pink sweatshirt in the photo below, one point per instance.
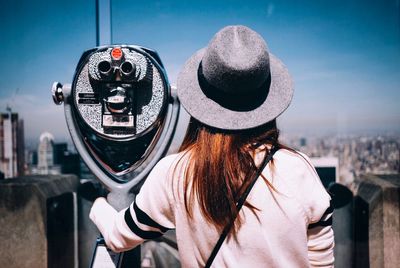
[{"x": 278, "y": 235}]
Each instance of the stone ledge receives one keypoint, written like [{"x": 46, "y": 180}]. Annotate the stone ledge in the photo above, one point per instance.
[
  {"x": 377, "y": 220},
  {"x": 24, "y": 218}
]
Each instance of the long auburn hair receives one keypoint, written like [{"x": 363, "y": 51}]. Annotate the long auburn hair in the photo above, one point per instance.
[{"x": 221, "y": 166}]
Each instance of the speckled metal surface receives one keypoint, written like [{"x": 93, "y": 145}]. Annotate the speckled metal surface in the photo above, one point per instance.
[
  {"x": 92, "y": 113},
  {"x": 94, "y": 61},
  {"x": 151, "y": 111}
]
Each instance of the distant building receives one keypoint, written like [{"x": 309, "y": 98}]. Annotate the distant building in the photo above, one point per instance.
[
  {"x": 327, "y": 169},
  {"x": 60, "y": 150},
  {"x": 33, "y": 158},
  {"x": 12, "y": 146},
  {"x": 68, "y": 162},
  {"x": 46, "y": 154},
  {"x": 53, "y": 158},
  {"x": 303, "y": 142}
]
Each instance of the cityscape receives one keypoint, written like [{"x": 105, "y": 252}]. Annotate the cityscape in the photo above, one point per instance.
[
  {"x": 352, "y": 155},
  {"x": 356, "y": 154},
  {"x": 46, "y": 157}
]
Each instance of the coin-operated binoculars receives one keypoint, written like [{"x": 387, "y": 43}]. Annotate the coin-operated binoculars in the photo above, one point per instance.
[{"x": 120, "y": 114}]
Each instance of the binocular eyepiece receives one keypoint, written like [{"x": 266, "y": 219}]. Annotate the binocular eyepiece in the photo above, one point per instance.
[
  {"x": 125, "y": 72},
  {"x": 119, "y": 65}
]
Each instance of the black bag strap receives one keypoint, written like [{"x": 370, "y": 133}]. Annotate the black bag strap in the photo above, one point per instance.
[{"x": 239, "y": 205}]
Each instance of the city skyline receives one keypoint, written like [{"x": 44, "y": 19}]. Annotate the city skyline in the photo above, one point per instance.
[
  {"x": 344, "y": 56},
  {"x": 340, "y": 159}
]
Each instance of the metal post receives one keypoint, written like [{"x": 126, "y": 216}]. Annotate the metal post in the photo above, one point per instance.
[{"x": 103, "y": 23}]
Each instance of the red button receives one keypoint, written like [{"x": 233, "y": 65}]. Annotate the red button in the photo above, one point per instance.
[{"x": 116, "y": 53}]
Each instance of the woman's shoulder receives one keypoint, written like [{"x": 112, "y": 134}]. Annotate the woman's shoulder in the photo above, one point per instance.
[
  {"x": 172, "y": 164},
  {"x": 163, "y": 173},
  {"x": 172, "y": 160},
  {"x": 298, "y": 173},
  {"x": 296, "y": 169},
  {"x": 293, "y": 159}
]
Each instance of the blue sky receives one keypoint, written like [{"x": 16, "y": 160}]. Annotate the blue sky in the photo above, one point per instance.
[{"x": 344, "y": 55}]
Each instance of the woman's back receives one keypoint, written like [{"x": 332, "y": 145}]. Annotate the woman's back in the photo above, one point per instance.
[{"x": 274, "y": 233}]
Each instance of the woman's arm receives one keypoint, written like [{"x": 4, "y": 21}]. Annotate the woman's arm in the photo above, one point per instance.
[
  {"x": 317, "y": 205},
  {"x": 148, "y": 217},
  {"x": 321, "y": 241}
]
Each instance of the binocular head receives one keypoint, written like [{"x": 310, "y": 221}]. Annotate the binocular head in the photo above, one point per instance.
[
  {"x": 120, "y": 92},
  {"x": 115, "y": 65},
  {"x": 118, "y": 109}
]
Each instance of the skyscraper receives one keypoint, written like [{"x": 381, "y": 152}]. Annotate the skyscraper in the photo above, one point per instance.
[
  {"x": 68, "y": 162},
  {"x": 45, "y": 153},
  {"x": 60, "y": 150},
  {"x": 12, "y": 146}
]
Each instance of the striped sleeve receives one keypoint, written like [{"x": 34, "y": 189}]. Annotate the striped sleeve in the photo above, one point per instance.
[
  {"x": 321, "y": 241},
  {"x": 141, "y": 224},
  {"x": 320, "y": 245},
  {"x": 149, "y": 217},
  {"x": 325, "y": 220},
  {"x": 319, "y": 233},
  {"x": 315, "y": 201}
]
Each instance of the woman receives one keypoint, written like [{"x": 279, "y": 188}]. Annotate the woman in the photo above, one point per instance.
[{"x": 234, "y": 90}]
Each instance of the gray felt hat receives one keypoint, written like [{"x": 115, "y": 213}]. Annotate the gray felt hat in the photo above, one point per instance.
[{"x": 234, "y": 83}]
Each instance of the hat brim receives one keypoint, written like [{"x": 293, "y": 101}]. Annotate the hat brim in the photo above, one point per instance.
[{"x": 209, "y": 112}]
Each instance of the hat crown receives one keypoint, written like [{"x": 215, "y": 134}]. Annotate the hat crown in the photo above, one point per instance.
[
  {"x": 236, "y": 61},
  {"x": 234, "y": 83}
]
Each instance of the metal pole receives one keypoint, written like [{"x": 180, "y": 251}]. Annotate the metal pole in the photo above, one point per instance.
[{"x": 103, "y": 23}]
